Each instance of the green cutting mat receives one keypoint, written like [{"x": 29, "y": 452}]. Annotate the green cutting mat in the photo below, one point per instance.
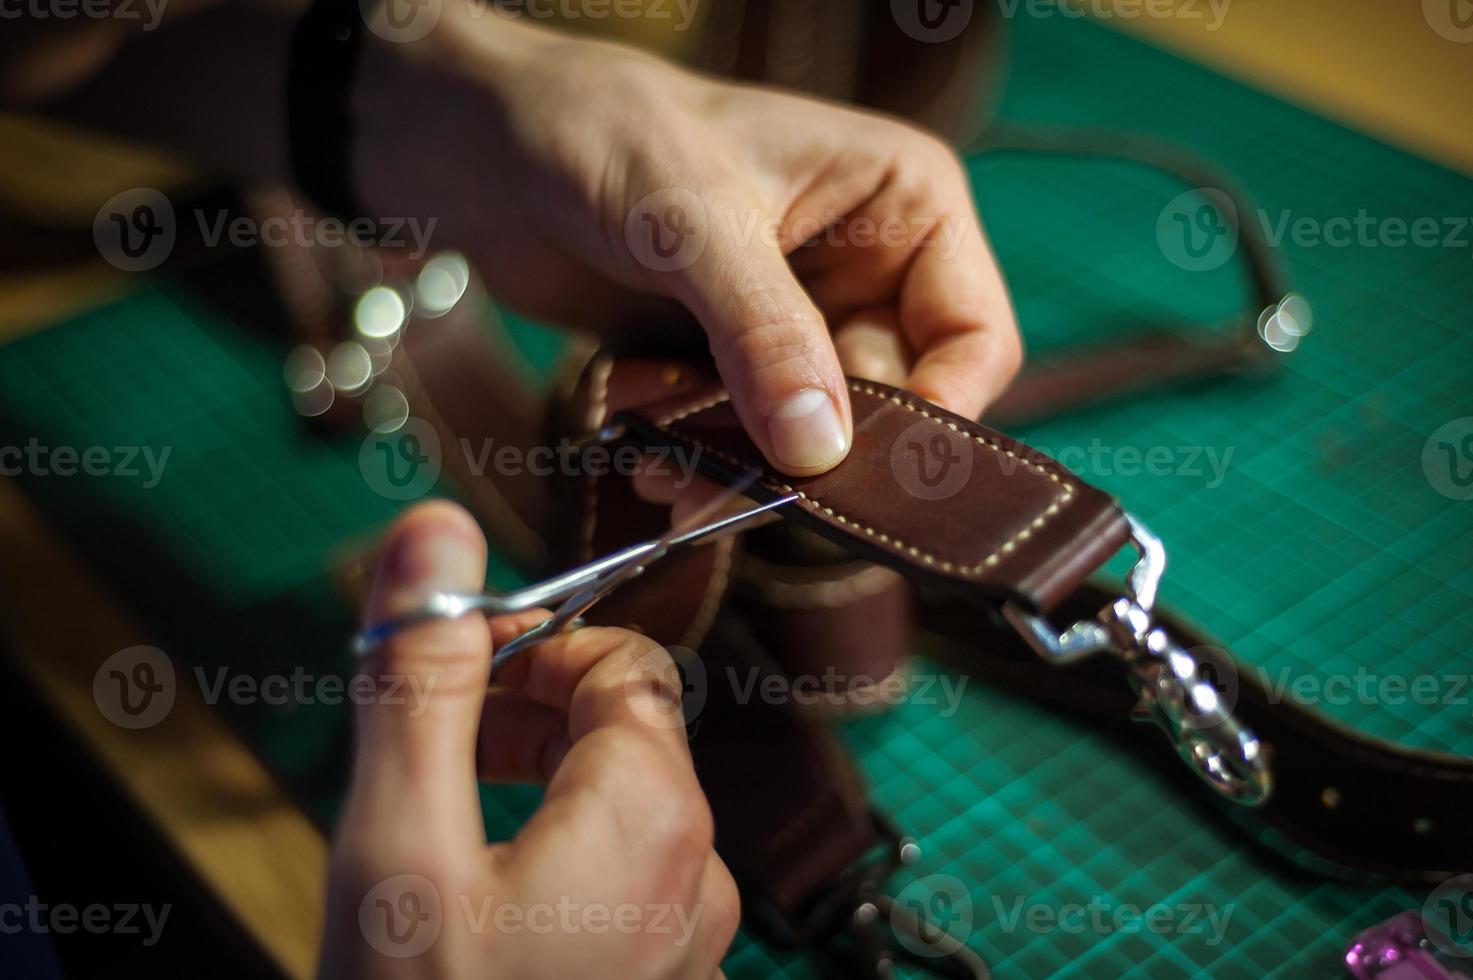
[{"x": 1322, "y": 549}]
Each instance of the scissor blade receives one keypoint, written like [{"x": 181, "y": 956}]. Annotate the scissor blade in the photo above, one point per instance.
[
  {"x": 692, "y": 522},
  {"x": 730, "y": 522},
  {"x": 684, "y": 532},
  {"x": 582, "y": 588},
  {"x": 565, "y": 584}
]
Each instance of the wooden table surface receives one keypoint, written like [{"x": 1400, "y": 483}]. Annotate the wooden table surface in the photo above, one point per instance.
[
  {"x": 1378, "y": 65},
  {"x": 215, "y": 805}
]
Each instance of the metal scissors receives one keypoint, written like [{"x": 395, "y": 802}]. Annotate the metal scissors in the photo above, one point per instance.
[{"x": 575, "y": 591}]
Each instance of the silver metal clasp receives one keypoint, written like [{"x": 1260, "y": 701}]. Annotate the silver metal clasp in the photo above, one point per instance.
[{"x": 1174, "y": 689}]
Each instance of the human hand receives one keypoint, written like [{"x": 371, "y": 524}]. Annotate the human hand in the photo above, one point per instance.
[
  {"x": 614, "y": 875},
  {"x": 598, "y": 185}
]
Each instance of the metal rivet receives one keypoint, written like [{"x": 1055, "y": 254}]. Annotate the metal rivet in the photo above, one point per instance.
[{"x": 1330, "y": 797}]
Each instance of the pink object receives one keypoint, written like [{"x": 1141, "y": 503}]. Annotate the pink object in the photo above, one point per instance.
[{"x": 1398, "y": 949}]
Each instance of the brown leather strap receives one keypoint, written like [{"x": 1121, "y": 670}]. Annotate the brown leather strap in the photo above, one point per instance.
[
  {"x": 948, "y": 501},
  {"x": 676, "y": 600},
  {"x": 790, "y": 808},
  {"x": 1056, "y": 384},
  {"x": 842, "y": 628},
  {"x": 1355, "y": 801}
]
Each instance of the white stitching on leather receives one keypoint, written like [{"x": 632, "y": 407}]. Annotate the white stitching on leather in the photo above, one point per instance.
[
  {"x": 1066, "y": 494},
  {"x": 710, "y": 604},
  {"x": 693, "y": 408}
]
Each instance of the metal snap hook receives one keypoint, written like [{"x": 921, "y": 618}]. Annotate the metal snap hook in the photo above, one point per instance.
[{"x": 1174, "y": 692}]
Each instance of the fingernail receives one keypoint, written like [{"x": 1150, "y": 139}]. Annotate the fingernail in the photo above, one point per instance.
[
  {"x": 425, "y": 558},
  {"x": 805, "y": 431}
]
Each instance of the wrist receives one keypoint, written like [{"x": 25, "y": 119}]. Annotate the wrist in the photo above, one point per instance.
[
  {"x": 431, "y": 112},
  {"x": 448, "y": 42}
]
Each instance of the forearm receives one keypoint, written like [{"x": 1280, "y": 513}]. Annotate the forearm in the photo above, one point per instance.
[{"x": 210, "y": 84}]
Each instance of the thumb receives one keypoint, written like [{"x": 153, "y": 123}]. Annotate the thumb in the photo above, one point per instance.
[
  {"x": 420, "y": 693},
  {"x": 772, "y": 348}
]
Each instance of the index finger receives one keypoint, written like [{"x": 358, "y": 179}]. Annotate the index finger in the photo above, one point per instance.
[
  {"x": 605, "y": 678},
  {"x": 626, "y": 785}
]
